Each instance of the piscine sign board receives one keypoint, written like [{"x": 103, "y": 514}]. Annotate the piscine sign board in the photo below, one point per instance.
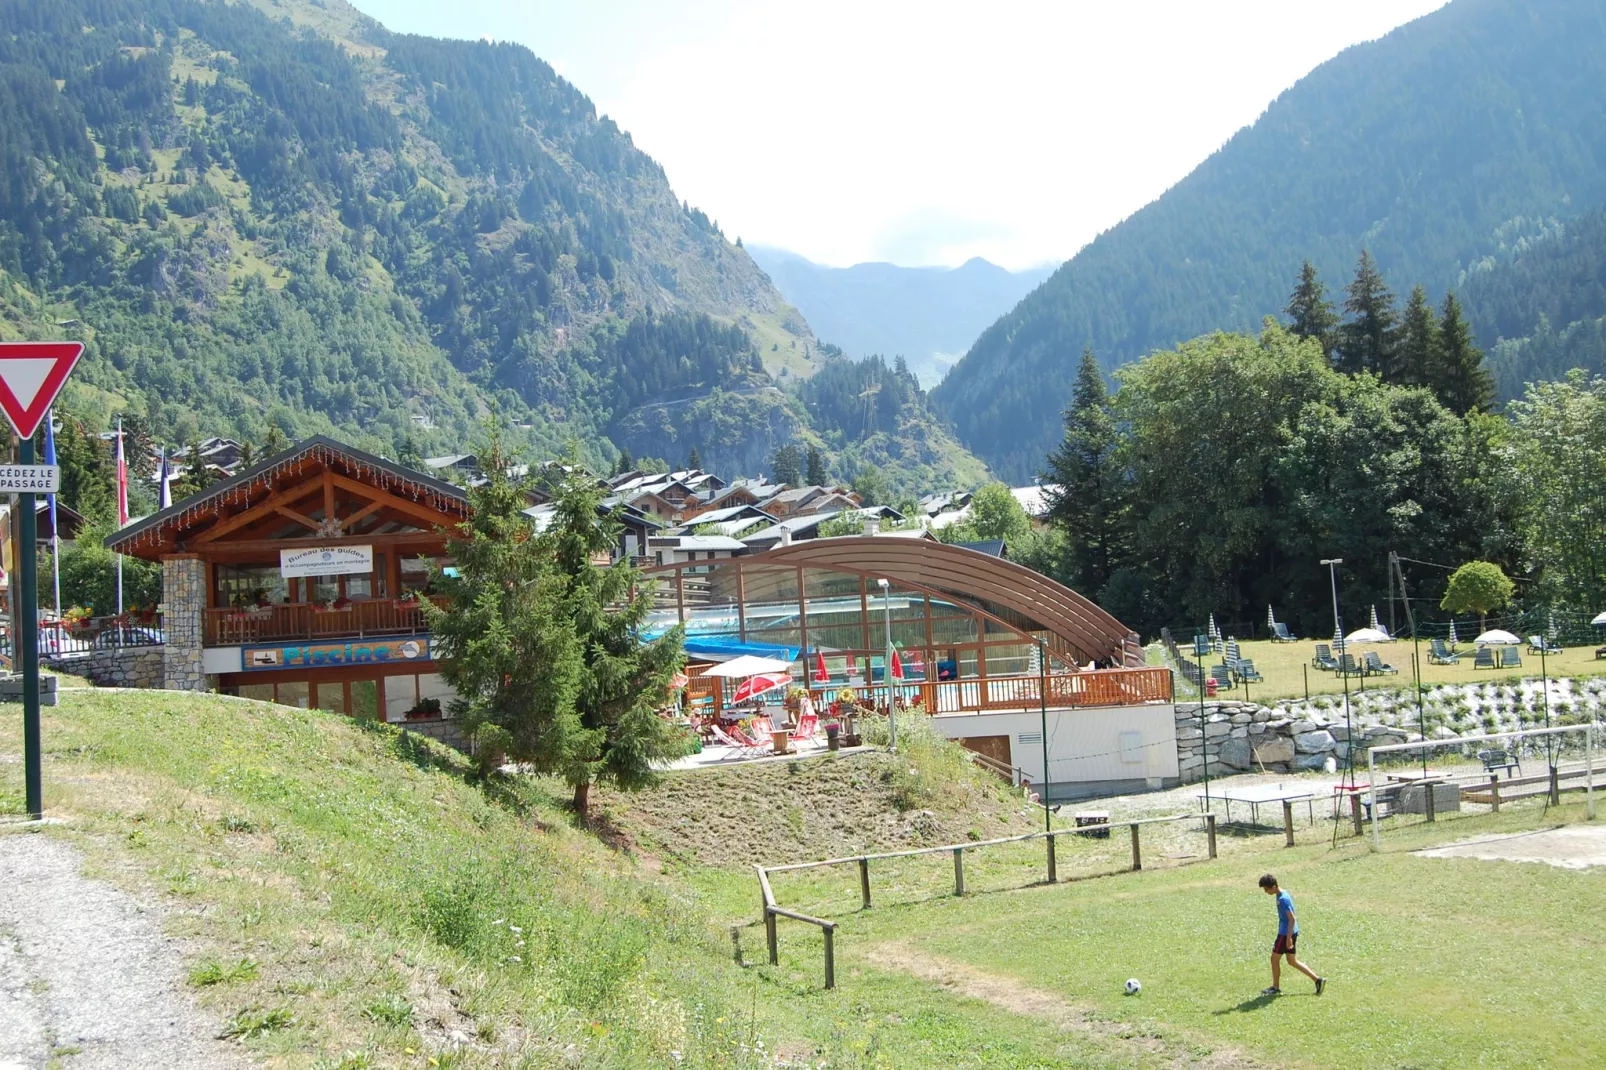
[
  {"x": 326, "y": 561},
  {"x": 390, "y": 651}
]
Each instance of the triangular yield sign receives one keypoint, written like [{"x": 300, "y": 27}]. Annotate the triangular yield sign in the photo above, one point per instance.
[{"x": 31, "y": 375}]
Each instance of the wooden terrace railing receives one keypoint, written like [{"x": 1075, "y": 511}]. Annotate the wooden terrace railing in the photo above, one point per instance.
[
  {"x": 300, "y": 620},
  {"x": 1101, "y": 687}
]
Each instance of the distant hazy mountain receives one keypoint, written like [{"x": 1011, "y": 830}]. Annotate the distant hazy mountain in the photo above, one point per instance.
[
  {"x": 1432, "y": 147},
  {"x": 929, "y": 315}
]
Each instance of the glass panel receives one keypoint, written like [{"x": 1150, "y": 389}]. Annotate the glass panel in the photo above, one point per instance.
[
  {"x": 380, "y": 582},
  {"x": 264, "y": 692},
  {"x": 954, "y": 630},
  {"x": 401, "y": 694},
  {"x": 835, "y": 637},
  {"x": 293, "y": 693},
  {"x": 332, "y": 697},
  {"x": 432, "y": 686},
  {"x": 359, "y": 588},
  {"x": 1011, "y": 659},
  {"x": 247, "y": 585},
  {"x": 324, "y": 588},
  {"x": 365, "y": 699}
]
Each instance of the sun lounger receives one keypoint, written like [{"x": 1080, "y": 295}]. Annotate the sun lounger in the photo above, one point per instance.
[
  {"x": 1324, "y": 658},
  {"x": 1281, "y": 634},
  {"x": 1485, "y": 659},
  {"x": 1376, "y": 666},
  {"x": 1509, "y": 658},
  {"x": 1439, "y": 654},
  {"x": 1246, "y": 671}
]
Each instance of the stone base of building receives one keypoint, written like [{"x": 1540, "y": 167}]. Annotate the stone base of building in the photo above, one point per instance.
[
  {"x": 134, "y": 666},
  {"x": 1242, "y": 737}
]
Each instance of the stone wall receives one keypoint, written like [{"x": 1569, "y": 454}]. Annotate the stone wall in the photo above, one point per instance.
[
  {"x": 129, "y": 666},
  {"x": 447, "y": 732},
  {"x": 1242, "y": 737},
  {"x": 184, "y": 621}
]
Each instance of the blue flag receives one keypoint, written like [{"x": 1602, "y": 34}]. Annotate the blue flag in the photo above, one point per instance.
[{"x": 50, "y": 458}]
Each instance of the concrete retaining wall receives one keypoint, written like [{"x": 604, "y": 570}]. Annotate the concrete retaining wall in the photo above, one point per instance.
[
  {"x": 447, "y": 732},
  {"x": 1242, "y": 737}
]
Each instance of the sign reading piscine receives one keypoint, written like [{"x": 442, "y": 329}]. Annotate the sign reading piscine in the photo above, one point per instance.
[
  {"x": 326, "y": 561},
  {"x": 330, "y": 655}
]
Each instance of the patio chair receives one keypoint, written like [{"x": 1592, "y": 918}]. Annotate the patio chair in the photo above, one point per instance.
[
  {"x": 1485, "y": 659},
  {"x": 1375, "y": 665},
  {"x": 1281, "y": 634},
  {"x": 806, "y": 727},
  {"x": 1439, "y": 654},
  {"x": 1347, "y": 666},
  {"x": 1324, "y": 658},
  {"x": 735, "y": 739},
  {"x": 1246, "y": 671},
  {"x": 1509, "y": 658},
  {"x": 1222, "y": 676},
  {"x": 1538, "y": 644}
]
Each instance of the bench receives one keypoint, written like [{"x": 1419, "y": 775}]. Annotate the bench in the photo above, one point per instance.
[
  {"x": 1099, "y": 819},
  {"x": 1499, "y": 761}
]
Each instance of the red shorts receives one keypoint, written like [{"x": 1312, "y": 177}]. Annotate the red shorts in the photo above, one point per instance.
[{"x": 1285, "y": 944}]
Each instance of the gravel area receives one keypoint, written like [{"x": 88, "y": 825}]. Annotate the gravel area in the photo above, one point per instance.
[
  {"x": 1568, "y": 847},
  {"x": 86, "y": 974}
]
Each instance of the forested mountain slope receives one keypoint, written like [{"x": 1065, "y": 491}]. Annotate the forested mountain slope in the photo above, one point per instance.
[
  {"x": 927, "y": 315},
  {"x": 1429, "y": 147},
  {"x": 290, "y": 216}
]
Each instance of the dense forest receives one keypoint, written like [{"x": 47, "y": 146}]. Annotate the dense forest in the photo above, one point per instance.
[
  {"x": 310, "y": 224},
  {"x": 1444, "y": 143},
  {"x": 1220, "y": 472}
]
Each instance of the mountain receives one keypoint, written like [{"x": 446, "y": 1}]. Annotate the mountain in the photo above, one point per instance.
[
  {"x": 284, "y": 215},
  {"x": 1429, "y": 147},
  {"x": 927, "y": 315}
]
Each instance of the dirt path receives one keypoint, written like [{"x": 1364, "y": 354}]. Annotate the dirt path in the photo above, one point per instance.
[
  {"x": 1568, "y": 847},
  {"x": 87, "y": 977},
  {"x": 1016, "y": 997}
]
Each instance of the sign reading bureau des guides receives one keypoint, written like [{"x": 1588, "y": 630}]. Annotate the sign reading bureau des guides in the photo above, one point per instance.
[
  {"x": 392, "y": 651},
  {"x": 326, "y": 561}
]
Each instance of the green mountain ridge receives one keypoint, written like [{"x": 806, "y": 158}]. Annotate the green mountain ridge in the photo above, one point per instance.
[
  {"x": 1428, "y": 147},
  {"x": 283, "y": 215}
]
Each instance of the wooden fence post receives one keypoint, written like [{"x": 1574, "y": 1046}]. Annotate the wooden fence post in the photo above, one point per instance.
[
  {"x": 770, "y": 935},
  {"x": 1429, "y": 803},
  {"x": 864, "y": 881},
  {"x": 1555, "y": 787},
  {"x": 1137, "y": 852},
  {"x": 1494, "y": 791},
  {"x": 959, "y": 871},
  {"x": 1210, "y": 833},
  {"x": 1355, "y": 812},
  {"x": 830, "y": 955},
  {"x": 1053, "y": 868},
  {"x": 1288, "y": 823}
]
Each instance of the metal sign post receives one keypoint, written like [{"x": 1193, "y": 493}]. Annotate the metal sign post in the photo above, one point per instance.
[{"x": 31, "y": 375}]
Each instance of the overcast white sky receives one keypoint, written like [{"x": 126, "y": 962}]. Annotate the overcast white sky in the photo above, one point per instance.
[{"x": 922, "y": 132}]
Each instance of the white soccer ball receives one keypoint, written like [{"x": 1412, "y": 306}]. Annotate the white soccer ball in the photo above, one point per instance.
[{"x": 1133, "y": 986}]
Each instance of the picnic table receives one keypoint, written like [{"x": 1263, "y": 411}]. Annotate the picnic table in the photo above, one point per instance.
[{"x": 1257, "y": 795}]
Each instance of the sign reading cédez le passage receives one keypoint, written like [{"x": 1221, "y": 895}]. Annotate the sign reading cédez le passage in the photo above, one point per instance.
[
  {"x": 329, "y": 655},
  {"x": 326, "y": 561}
]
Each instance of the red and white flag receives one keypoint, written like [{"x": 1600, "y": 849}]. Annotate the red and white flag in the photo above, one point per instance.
[{"x": 122, "y": 479}]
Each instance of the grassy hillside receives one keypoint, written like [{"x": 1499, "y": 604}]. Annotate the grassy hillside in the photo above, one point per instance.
[
  {"x": 356, "y": 893},
  {"x": 1461, "y": 131}
]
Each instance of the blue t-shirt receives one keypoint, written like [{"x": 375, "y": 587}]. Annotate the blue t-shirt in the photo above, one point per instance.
[{"x": 1285, "y": 915}]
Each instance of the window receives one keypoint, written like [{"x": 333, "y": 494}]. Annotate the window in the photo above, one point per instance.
[
  {"x": 246, "y": 585},
  {"x": 294, "y": 693}
]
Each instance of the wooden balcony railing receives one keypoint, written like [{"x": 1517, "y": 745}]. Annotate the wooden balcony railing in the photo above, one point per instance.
[
  {"x": 1103, "y": 687},
  {"x": 287, "y": 623}
]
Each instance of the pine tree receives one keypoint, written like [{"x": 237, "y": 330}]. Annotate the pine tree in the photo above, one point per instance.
[
  {"x": 1462, "y": 382},
  {"x": 1368, "y": 341},
  {"x": 624, "y": 464},
  {"x": 274, "y": 442},
  {"x": 247, "y": 457},
  {"x": 1419, "y": 356},
  {"x": 409, "y": 455},
  {"x": 815, "y": 474},
  {"x": 788, "y": 466},
  {"x": 623, "y": 681},
  {"x": 1309, "y": 311},
  {"x": 871, "y": 486},
  {"x": 694, "y": 460},
  {"x": 1089, "y": 503}
]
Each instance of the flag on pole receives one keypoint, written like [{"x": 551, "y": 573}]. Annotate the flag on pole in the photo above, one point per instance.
[
  {"x": 165, "y": 493},
  {"x": 55, "y": 535},
  {"x": 897, "y": 665},
  {"x": 122, "y": 479},
  {"x": 821, "y": 676}
]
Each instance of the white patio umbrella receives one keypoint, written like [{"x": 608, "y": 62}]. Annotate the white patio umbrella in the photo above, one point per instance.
[
  {"x": 1367, "y": 635},
  {"x": 748, "y": 665},
  {"x": 1599, "y": 621},
  {"x": 1496, "y": 637},
  {"x": 1454, "y": 639}
]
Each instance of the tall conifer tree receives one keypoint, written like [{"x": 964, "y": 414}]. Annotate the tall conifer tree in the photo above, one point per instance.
[
  {"x": 1462, "y": 382},
  {"x": 788, "y": 466},
  {"x": 1368, "y": 341},
  {"x": 1310, "y": 313},
  {"x": 816, "y": 467},
  {"x": 1419, "y": 356},
  {"x": 1090, "y": 505}
]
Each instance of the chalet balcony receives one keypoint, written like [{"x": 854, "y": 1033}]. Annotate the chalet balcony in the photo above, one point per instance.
[{"x": 305, "y": 621}]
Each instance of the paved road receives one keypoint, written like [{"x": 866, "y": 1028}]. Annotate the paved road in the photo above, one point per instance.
[{"x": 84, "y": 966}]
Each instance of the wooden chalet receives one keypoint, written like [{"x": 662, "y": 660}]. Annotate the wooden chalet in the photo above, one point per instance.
[{"x": 300, "y": 580}]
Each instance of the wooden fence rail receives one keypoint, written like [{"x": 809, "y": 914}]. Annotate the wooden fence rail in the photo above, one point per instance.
[{"x": 773, "y": 911}]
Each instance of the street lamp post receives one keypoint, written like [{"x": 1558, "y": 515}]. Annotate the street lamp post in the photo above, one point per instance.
[
  {"x": 1332, "y": 564},
  {"x": 1042, "y": 709},
  {"x": 892, "y": 717}
]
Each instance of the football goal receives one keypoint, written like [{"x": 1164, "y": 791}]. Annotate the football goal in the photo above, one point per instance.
[{"x": 1437, "y": 775}]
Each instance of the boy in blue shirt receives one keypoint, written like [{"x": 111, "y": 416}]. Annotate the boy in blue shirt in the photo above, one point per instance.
[{"x": 1287, "y": 938}]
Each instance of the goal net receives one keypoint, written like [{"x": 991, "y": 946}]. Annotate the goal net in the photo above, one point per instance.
[{"x": 1437, "y": 779}]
